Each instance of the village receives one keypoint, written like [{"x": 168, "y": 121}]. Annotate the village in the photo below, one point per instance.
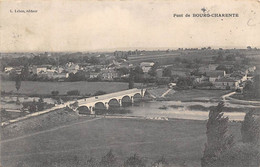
[{"x": 222, "y": 72}]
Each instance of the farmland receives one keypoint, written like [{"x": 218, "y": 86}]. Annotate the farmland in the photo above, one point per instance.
[
  {"x": 31, "y": 87},
  {"x": 195, "y": 94},
  {"x": 181, "y": 142}
]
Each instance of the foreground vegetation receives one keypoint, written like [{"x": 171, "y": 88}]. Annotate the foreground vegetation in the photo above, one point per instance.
[{"x": 179, "y": 142}]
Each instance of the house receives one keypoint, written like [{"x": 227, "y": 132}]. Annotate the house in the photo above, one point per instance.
[
  {"x": 60, "y": 75},
  {"x": 214, "y": 75},
  {"x": 109, "y": 74},
  {"x": 146, "y": 66},
  {"x": 201, "y": 79},
  {"x": 212, "y": 67},
  {"x": 251, "y": 69},
  {"x": 71, "y": 67},
  {"x": 93, "y": 75},
  {"x": 226, "y": 83},
  {"x": 39, "y": 69},
  {"x": 239, "y": 75},
  {"x": 8, "y": 69}
]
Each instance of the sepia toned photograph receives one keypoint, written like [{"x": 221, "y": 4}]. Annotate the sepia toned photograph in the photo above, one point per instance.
[{"x": 102, "y": 83}]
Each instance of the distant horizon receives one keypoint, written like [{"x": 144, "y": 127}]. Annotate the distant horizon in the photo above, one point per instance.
[{"x": 140, "y": 49}]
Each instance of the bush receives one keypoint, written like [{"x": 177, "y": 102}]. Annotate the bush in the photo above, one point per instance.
[
  {"x": 109, "y": 160},
  {"x": 134, "y": 161},
  {"x": 161, "y": 163},
  {"x": 240, "y": 155},
  {"x": 73, "y": 93},
  {"x": 250, "y": 129},
  {"x": 54, "y": 93}
]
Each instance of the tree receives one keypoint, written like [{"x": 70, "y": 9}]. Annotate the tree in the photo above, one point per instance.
[
  {"x": 184, "y": 82},
  {"x": 137, "y": 74},
  {"x": 40, "y": 104},
  {"x": 32, "y": 107},
  {"x": 218, "y": 138},
  {"x": 109, "y": 160},
  {"x": 18, "y": 82},
  {"x": 250, "y": 129},
  {"x": 134, "y": 161},
  {"x": 161, "y": 163},
  {"x": 138, "y": 70},
  {"x": 240, "y": 155},
  {"x": 123, "y": 71},
  {"x": 40, "y": 100},
  {"x": 92, "y": 163},
  {"x": 55, "y": 93},
  {"x": 5, "y": 114},
  {"x": 153, "y": 69},
  {"x": 230, "y": 58},
  {"x": 167, "y": 72},
  {"x": 131, "y": 83},
  {"x": 25, "y": 73}
]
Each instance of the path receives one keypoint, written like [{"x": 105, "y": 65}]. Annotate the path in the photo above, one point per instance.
[
  {"x": 237, "y": 101},
  {"x": 227, "y": 95},
  {"x": 165, "y": 93},
  {"x": 49, "y": 130}
]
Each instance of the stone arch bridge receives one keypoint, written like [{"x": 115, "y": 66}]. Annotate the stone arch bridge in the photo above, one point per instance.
[{"x": 116, "y": 99}]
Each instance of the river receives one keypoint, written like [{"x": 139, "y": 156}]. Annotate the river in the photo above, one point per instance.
[{"x": 151, "y": 110}]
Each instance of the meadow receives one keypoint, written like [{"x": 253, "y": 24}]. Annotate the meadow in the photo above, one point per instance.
[
  {"x": 181, "y": 142},
  {"x": 196, "y": 95}
]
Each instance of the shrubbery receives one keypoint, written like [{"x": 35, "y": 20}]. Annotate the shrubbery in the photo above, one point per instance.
[
  {"x": 73, "y": 93},
  {"x": 221, "y": 150}
]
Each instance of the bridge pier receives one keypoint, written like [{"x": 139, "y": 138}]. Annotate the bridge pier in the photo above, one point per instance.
[
  {"x": 106, "y": 105},
  {"x": 91, "y": 110},
  {"x": 120, "y": 102}
]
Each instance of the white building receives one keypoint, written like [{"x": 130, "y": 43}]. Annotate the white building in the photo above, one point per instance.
[
  {"x": 39, "y": 69},
  {"x": 146, "y": 66},
  {"x": 226, "y": 83},
  {"x": 8, "y": 69}
]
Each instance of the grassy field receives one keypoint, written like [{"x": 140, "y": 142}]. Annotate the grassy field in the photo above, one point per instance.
[
  {"x": 30, "y": 87},
  {"x": 181, "y": 142},
  {"x": 195, "y": 94}
]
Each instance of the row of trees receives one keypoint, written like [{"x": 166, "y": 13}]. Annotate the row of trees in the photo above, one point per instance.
[
  {"x": 221, "y": 148},
  {"x": 111, "y": 160},
  {"x": 44, "y": 59}
]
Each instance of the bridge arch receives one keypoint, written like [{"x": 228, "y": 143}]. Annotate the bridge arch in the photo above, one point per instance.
[
  {"x": 114, "y": 103},
  {"x": 126, "y": 101},
  {"x": 83, "y": 110},
  {"x": 137, "y": 97},
  {"x": 100, "y": 108}
]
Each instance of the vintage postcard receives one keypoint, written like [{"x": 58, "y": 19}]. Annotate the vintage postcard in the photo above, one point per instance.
[{"x": 121, "y": 83}]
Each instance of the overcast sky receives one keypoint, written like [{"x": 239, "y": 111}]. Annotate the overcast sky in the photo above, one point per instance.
[{"x": 110, "y": 25}]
